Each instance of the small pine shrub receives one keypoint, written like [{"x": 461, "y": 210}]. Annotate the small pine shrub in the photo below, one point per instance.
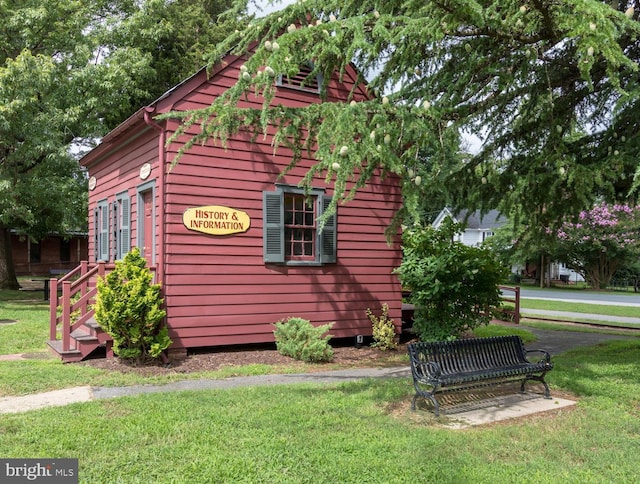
[
  {"x": 299, "y": 339},
  {"x": 384, "y": 331},
  {"x": 128, "y": 307}
]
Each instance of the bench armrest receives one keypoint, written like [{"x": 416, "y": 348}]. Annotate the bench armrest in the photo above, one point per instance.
[
  {"x": 546, "y": 356},
  {"x": 428, "y": 370}
]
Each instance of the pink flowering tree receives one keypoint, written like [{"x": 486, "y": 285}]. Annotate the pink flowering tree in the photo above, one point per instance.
[{"x": 600, "y": 242}]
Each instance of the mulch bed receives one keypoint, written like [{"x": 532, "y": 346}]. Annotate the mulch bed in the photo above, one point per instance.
[{"x": 216, "y": 358}]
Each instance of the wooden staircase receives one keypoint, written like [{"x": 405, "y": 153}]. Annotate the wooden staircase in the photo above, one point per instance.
[{"x": 74, "y": 334}]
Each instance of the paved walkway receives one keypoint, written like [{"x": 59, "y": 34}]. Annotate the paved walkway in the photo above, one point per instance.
[
  {"x": 553, "y": 341},
  {"x": 556, "y": 342}
]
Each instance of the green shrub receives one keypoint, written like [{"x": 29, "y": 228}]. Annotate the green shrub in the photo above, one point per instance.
[
  {"x": 384, "y": 331},
  {"x": 453, "y": 286},
  {"x": 299, "y": 339},
  {"x": 128, "y": 307}
]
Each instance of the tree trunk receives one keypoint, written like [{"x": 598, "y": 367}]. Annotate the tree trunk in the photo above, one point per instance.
[{"x": 8, "y": 278}]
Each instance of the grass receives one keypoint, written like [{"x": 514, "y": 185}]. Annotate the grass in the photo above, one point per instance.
[
  {"x": 352, "y": 432},
  {"x": 574, "y": 307},
  {"x": 44, "y": 372},
  {"x": 30, "y": 331},
  {"x": 496, "y": 330}
]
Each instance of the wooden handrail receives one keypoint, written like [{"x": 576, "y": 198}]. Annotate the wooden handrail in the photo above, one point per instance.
[{"x": 80, "y": 280}]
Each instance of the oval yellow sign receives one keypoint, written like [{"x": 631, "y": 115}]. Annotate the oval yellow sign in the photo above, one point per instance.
[{"x": 216, "y": 220}]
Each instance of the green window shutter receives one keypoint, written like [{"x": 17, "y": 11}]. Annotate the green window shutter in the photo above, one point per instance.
[
  {"x": 96, "y": 234},
  {"x": 328, "y": 235},
  {"x": 126, "y": 224},
  {"x": 103, "y": 241},
  {"x": 123, "y": 233},
  {"x": 273, "y": 226},
  {"x": 115, "y": 239}
]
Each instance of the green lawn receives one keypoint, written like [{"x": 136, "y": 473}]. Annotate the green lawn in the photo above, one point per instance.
[
  {"x": 610, "y": 310},
  {"x": 352, "y": 432}
]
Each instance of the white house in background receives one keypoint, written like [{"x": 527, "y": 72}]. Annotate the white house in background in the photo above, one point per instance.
[{"x": 480, "y": 227}]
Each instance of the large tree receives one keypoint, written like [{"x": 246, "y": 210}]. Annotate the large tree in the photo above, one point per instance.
[
  {"x": 176, "y": 36},
  {"x": 69, "y": 71},
  {"x": 550, "y": 87},
  {"x": 50, "y": 95}
]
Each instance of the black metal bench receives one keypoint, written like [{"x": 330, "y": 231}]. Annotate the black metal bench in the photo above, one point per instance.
[{"x": 446, "y": 366}]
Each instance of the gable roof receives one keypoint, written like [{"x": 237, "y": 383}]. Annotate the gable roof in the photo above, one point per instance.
[
  {"x": 142, "y": 119},
  {"x": 493, "y": 219}
]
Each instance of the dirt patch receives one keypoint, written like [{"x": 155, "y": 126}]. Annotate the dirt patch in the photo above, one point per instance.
[{"x": 216, "y": 359}]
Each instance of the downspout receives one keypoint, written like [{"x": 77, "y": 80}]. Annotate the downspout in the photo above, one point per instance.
[{"x": 148, "y": 111}]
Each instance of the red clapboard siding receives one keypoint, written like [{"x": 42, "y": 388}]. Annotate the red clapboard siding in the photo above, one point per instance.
[{"x": 218, "y": 290}]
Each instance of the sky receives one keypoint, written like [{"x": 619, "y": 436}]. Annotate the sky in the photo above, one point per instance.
[{"x": 268, "y": 6}]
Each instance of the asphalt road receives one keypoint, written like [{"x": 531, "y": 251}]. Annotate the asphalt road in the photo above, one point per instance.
[
  {"x": 619, "y": 299},
  {"x": 602, "y": 298}
]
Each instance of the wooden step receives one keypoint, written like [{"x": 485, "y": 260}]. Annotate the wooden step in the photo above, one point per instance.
[
  {"x": 96, "y": 330},
  {"x": 84, "y": 341},
  {"x": 71, "y": 355},
  {"x": 81, "y": 335}
]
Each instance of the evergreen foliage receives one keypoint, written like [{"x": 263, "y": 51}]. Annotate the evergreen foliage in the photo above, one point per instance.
[
  {"x": 129, "y": 308},
  {"x": 454, "y": 286},
  {"x": 551, "y": 87},
  {"x": 384, "y": 331},
  {"x": 299, "y": 339}
]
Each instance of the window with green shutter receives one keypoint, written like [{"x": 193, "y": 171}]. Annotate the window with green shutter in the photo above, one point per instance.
[
  {"x": 291, "y": 231},
  {"x": 101, "y": 231},
  {"x": 122, "y": 216}
]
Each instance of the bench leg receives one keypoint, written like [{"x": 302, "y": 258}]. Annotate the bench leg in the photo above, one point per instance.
[
  {"x": 436, "y": 405},
  {"x": 547, "y": 392}
]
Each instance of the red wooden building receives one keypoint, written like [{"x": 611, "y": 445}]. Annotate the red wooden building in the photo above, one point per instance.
[
  {"x": 49, "y": 255},
  {"x": 234, "y": 244}
]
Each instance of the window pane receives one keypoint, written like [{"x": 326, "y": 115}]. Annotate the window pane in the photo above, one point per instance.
[
  {"x": 300, "y": 226},
  {"x": 308, "y": 219},
  {"x": 34, "y": 252},
  {"x": 65, "y": 250}
]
